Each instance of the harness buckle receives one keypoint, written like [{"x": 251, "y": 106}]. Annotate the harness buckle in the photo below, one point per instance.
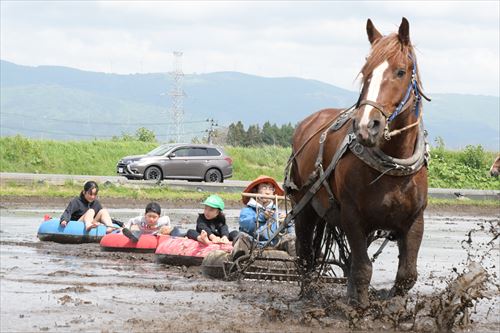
[
  {"x": 323, "y": 137},
  {"x": 387, "y": 134}
]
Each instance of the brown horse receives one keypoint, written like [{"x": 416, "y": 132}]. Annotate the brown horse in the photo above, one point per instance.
[
  {"x": 495, "y": 167},
  {"x": 377, "y": 175}
]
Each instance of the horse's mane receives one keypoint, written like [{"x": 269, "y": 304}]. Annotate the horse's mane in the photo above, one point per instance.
[{"x": 387, "y": 47}]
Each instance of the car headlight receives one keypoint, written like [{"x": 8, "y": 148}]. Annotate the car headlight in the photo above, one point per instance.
[{"x": 138, "y": 163}]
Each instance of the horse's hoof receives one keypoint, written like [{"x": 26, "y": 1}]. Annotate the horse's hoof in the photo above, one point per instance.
[
  {"x": 383, "y": 294},
  {"x": 396, "y": 292},
  {"x": 355, "y": 303}
]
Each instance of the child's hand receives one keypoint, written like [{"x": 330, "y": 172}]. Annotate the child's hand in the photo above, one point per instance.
[
  {"x": 281, "y": 217},
  {"x": 63, "y": 223},
  {"x": 268, "y": 214},
  {"x": 224, "y": 240},
  {"x": 165, "y": 230}
]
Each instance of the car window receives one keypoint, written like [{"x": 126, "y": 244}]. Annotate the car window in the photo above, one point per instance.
[
  {"x": 213, "y": 152},
  {"x": 182, "y": 152},
  {"x": 198, "y": 152},
  {"x": 159, "y": 151}
]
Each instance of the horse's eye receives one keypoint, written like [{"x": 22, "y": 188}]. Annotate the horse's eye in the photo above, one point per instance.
[{"x": 400, "y": 73}]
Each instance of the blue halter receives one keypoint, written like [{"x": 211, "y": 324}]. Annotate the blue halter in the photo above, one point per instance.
[{"x": 413, "y": 85}]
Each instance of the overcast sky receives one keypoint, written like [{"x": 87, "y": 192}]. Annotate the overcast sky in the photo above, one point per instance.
[{"x": 457, "y": 41}]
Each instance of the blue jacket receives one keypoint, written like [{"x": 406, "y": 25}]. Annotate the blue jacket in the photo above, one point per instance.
[{"x": 262, "y": 230}]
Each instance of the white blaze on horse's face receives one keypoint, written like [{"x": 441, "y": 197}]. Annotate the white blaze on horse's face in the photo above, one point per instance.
[
  {"x": 369, "y": 122},
  {"x": 373, "y": 92}
]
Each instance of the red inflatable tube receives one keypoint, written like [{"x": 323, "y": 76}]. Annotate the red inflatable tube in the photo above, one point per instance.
[
  {"x": 120, "y": 242},
  {"x": 185, "y": 251}
]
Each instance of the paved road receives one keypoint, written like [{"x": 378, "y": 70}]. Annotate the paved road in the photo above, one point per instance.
[
  {"x": 57, "y": 179},
  {"x": 227, "y": 186}
]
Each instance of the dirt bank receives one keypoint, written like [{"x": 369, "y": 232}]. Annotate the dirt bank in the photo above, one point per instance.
[{"x": 23, "y": 202}]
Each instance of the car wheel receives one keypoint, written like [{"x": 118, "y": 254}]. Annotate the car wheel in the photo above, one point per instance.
[
  {"x": 213, "y": 176},
  {"x": 153, "y": 173}
]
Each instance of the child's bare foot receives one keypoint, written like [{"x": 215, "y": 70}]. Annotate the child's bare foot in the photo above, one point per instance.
[
  {"x": 224, "y": 240},
  {"x": 91, "y": 226},
  {"x": 203, "y": 238}
]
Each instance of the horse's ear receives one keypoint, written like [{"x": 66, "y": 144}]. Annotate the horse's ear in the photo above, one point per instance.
[
  {"x": 404, "y": 32},
  {"x": 373, "y": 34}
]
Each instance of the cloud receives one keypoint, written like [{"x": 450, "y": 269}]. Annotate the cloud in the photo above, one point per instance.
[{"x": 457, "y": 41}]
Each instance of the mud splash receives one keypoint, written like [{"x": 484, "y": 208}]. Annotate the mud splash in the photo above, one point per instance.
[{"x": 442, "y": 310}]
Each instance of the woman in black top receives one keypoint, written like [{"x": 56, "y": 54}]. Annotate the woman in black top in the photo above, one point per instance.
[
  {"x": 87, "y": 208},
  {"x": 211, "y": 225}
]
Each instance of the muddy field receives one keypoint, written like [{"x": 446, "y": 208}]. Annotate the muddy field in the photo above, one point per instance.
[{"x": 49, "y": 287}]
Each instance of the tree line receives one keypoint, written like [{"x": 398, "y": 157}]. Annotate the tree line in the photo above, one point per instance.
[
  {"x": 269, "y": 134},
  {"x": 235, "y": 135}
]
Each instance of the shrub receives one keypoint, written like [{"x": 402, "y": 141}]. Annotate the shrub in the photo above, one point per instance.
[{"x": 473, "y": 157}]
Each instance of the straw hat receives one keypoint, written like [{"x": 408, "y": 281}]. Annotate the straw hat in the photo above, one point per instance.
[{"x": 252, "y": 187}]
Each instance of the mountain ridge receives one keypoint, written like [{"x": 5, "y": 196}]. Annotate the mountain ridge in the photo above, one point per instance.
[{"x": 96, "y": 104}]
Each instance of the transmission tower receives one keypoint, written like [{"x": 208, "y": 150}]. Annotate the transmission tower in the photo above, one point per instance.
[
  {"x": 177, "y": 95},
  {"x": 211, "y": 130}
]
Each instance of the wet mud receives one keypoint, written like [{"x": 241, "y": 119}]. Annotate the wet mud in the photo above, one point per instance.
[{"x": 50, "y": 287}]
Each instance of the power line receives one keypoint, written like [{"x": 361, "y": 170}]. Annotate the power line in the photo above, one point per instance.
[
  {"x": 52, "y": 132},
  {"x": 81, "y": 134},
  {"x": 211, "y": 130},
  {"x": 101, "y": 122}
]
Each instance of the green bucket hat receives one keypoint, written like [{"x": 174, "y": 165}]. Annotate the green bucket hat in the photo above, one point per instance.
[{"x": 214, "y": 201}]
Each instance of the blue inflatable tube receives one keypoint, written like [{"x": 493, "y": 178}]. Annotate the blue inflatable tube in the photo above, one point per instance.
[{"x": 74, "y": 232}]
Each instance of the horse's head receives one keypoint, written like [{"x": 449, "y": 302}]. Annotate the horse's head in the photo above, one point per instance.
[
  {"x": 495, "y": 167},
  {"x": 388, "y": 78}
]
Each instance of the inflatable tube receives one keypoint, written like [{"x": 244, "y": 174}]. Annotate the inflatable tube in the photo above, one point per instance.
[
  {"x": 116, "y": 241},
  {"x": 186, "y": 252},
  {"x": 73, "y": 233}
]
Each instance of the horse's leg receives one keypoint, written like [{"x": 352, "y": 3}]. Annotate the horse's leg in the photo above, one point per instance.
[
  {"x": 305, "y": 223},
  {"x": 361, "y": 266},
  {"x": 305, "y": 227},
  {"x": 408, "y": 245},
  {"x": 318, "y": 238}
]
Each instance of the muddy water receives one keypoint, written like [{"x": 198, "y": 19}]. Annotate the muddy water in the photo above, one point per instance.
[{"x": 69, "y": 288}]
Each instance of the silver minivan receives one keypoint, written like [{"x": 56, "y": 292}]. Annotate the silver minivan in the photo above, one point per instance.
[{"x": 195, "y": 162}]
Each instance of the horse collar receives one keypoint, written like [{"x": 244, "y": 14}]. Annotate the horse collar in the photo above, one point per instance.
[{"x": 389, "y": 165}]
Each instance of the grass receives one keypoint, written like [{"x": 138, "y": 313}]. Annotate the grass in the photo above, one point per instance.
[
  {"x": 251, "y": 162},
  {"x": 70, "y": 189},
  {"x": 97, "y": 157},
  {"x": 447, "y": 169},
  {"x": 456, "y": 202}
]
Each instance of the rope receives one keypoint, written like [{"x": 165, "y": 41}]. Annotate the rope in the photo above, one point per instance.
[{"x": 388, "y": 135}]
